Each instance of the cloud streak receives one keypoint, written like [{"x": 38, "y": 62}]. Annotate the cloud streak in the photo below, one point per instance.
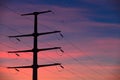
[{"x": 88, "y": 42}]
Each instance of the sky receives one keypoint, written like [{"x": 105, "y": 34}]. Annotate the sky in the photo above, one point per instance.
[{"x": 91, "y": 30}]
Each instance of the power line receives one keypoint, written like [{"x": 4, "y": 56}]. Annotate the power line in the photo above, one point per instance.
[
  {"x": 92, "y": 70},
  {"x": 8, "y": 8},
  {"x": 74, "y": 59},
  {"x": 69, "y": 43},
  {"x": 56, "y": 61},
  {"x": 91, "y": 58},
  {"x": 78, "y": 49}
]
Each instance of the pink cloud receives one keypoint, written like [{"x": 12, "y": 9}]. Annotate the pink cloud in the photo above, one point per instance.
[
  {"x": 109, "y": 44},
  {"x": 68, "y": 16}
]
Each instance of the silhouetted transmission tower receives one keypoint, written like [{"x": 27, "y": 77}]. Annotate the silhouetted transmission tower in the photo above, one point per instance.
[{"x": 35, "y": 49}]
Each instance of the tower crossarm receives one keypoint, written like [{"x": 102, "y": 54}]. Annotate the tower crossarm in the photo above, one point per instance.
[
  {"x": 32, "y": 50},
  {"x": 45, "y": 33},
  {"x": 38, "y": 34},
  {"x": 20, "y": 67},
  {"x": 26, "y": 35},
  {"x": 36, "y": 13},
  {"x": 46, "y": 65},
  {"x": 45, "y": 49},
  {"x": 38, "y": 66},
  {"x": 20, "y": 51}
]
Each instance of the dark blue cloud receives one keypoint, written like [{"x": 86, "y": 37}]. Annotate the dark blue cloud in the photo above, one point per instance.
[
  {"x": 100, "y": 11},
  {"x": 102, "y": 14},
  {"x": 112, "y": 32}
]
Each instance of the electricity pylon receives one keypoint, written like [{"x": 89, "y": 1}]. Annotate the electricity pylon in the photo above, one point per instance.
[{"x": 35, "y": 49}]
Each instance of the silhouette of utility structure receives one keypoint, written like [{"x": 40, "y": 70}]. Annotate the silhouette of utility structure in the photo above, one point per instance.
[{"x": 35, "y": 49}]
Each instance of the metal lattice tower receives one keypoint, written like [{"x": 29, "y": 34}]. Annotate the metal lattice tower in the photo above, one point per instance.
[{"x": 35, "y": 49}]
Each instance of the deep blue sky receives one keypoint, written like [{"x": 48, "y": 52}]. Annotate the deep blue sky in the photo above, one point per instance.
[{"x": 91, "y": 30}]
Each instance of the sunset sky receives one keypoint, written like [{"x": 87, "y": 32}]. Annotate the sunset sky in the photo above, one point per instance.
[{"x": 91, "y": 41}]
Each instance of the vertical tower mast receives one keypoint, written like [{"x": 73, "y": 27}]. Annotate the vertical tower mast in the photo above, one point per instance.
[{"x": 35, "y": 49}]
